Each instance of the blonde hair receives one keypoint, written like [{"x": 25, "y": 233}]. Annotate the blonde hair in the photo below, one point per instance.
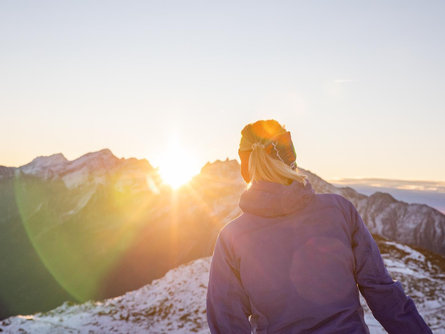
[{"x": 262, "y": 166}]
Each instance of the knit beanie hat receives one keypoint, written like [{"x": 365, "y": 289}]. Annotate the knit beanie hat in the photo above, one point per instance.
[{"x": 270, "y": 135}]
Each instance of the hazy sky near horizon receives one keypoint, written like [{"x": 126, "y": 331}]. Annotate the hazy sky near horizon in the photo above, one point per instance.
[{"x": 359, "y": 84}]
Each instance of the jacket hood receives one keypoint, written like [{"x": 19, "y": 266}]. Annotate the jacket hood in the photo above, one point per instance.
[{"x": 270, "y": 199}]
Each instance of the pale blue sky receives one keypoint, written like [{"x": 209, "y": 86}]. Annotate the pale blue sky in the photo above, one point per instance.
[{"x": 359, "y": 84}]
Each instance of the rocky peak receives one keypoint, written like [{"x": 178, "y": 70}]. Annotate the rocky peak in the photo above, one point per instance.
[
  {"x": 103, "y": 158},
  {"x": 45, "y": 166},
  {"x": 46, "y": 161}
]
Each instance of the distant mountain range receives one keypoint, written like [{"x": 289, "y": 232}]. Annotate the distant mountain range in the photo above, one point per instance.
[
  {"x": 431, "y": 193},
  {"x": 98, "y": 226}
]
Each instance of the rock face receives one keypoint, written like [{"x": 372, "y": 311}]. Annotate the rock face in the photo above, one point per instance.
[
  {"x": 176, "y": 302},
  {"x": 415, "y": 224},
  {"x": 99, "y": 226}
]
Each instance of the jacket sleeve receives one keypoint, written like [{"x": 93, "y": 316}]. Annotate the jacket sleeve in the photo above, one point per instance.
[
  {"x": 386, "y": 298},
  {"x": 228, "y": 305}
]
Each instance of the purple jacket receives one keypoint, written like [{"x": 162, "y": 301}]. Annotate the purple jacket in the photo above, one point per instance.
[{"x": 294, "y": 262}]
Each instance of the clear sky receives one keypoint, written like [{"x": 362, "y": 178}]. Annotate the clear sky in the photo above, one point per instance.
[{"x": 360, "y": 84}]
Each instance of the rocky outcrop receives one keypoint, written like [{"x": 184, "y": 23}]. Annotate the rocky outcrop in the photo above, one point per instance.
[{"x": 415, "y": 224}]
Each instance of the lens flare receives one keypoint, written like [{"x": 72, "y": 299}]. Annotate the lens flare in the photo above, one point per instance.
[{"x": 177, "y": 166}]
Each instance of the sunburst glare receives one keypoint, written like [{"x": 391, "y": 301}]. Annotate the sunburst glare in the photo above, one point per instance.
[{"x": 177, "y": 166}]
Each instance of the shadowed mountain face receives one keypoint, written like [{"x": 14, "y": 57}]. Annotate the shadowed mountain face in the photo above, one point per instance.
[
  {"x": 99, "y": 226},
  {"x": 415, "y": 224}
]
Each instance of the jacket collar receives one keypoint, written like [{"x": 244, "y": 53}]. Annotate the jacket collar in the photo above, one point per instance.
[{"x": 270, "y": 199}]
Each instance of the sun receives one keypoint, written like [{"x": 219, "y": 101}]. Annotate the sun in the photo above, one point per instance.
[{"x": 177, "y": 166}]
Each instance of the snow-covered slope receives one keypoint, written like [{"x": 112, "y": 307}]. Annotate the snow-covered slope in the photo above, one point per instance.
[
  {"x": 173, "y": 304},
  {"x": 176, "y": 302}
]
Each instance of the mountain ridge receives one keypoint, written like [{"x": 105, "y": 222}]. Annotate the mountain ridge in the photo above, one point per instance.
[
  {"x": 384, "y": 223},
  {"x": 104, "y": 216}
]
